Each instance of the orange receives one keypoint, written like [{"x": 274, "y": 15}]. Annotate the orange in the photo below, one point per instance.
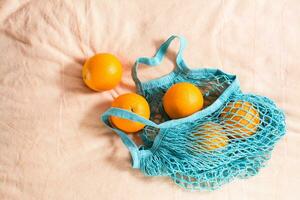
[
  {"x": 240, "y": 118},
  {"x": 134, "y": 103},
  {"x": 182, "y": 99},
  {"x": 211, "y": 136},
  {"x": 102, "y": 72}
]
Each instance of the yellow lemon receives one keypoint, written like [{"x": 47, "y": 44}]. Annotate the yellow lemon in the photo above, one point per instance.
[
  {"x": 240, "y": 118},
  {"x": 210, "y": 136}
]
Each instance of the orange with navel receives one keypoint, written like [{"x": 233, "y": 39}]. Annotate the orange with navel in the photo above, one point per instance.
[
  {"x": 241, "y": 118},
  {"x": 182, "y": 100},
  {"x": 133, "y": 103},
  {"x": 102, "y": 72}
]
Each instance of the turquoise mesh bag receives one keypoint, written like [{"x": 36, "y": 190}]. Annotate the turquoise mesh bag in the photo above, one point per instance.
[{"x": 231, "y": 137}]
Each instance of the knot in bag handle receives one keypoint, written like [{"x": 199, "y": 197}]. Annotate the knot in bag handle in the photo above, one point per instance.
[
  {"x": 159, "y": 55},
  {"x": 128, "y": 142}
]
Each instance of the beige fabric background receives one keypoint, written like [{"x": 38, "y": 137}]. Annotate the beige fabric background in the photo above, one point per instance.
[{"x": 52, "y": 145}]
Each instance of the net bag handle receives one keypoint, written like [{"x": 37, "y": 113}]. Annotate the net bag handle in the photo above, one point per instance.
[
  {"x": 158, "y": 57},
  {"x": 128, "y": 142}
]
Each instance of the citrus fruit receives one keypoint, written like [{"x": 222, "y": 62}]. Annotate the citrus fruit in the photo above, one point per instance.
[
  {"x": 102, "y": 72},
  {"x": 240, "y": 118},
  {"x": 211, "y": 136},
  {"x": 182, "y": 99},
  {"x": 134, "y": 103}
]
